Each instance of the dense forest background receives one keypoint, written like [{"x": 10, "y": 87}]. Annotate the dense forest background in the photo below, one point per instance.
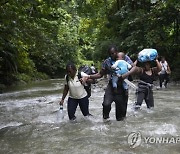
[{"x": 38, "y": 37}]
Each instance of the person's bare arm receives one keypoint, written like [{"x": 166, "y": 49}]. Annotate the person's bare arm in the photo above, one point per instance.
[
  {"x": 168, "y": 69},
  {"x": 98, "y": 75},
  {"x": 65, "y": 92},
  {"x": 134, "y": 70},
  {"x": 92, "y": 77},
  {"x": 158, "y": 67},
  {"x": 88, "y": 81},
  {"x": 135, "y": 63}
]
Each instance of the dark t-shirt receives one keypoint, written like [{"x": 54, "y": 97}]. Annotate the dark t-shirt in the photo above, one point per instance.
[{"x": 147, "y": 78}]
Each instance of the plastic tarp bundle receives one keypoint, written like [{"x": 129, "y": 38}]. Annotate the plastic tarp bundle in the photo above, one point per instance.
[{"x": 147, "y": 55}]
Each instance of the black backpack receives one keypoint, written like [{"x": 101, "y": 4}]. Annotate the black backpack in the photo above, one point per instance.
[{"x": 86, "y": 69}]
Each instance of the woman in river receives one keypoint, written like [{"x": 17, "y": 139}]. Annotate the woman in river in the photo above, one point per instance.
[
  {"x": 164, "y": 73},
  {"x": 146, "y": 75},
  {"x": 77, "y": 93}
]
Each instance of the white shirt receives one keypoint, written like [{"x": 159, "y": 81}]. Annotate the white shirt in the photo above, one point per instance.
[
  {"x": 76, "y": 89},
  {"x": 164, "y": 67}
]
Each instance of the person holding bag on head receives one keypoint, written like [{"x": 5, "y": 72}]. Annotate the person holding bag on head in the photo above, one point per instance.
[{"x": 146, "y": 76}]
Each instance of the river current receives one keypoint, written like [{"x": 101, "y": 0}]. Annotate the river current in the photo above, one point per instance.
[{"x": 28, "y": 123}]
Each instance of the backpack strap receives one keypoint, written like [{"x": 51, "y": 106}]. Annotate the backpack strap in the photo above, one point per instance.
[
  {"x": 79, "y": 75},
  {"x": 67, "y": 78}
]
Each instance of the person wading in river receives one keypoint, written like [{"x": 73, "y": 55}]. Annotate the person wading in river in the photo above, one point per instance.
[
  {"x": 146, "y": 76},
  {"x": 121, "y": 96},
  {"x": 164, "y": 73},
  {"x": 77, "y": 93}
]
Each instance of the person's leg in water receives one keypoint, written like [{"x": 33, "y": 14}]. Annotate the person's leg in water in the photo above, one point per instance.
[
  {"x": 121, "y": 100},
  {"x": 108, "y": 99},
  {"x": 84, "y": 106},
  {"x": 71, "y": 106},
  {"x": 161, "y": 80},
  {"x": 140, "y": 97},
  {"x": 166, "y": 80},
  {"x": 150, "y": 100}
]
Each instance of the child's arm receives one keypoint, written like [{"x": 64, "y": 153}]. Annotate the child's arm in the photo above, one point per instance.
[{"x": 65, "y": 92}]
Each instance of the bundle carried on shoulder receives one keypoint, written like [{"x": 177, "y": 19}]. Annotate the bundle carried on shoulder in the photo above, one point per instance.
[{"x": 147, "y": 55}]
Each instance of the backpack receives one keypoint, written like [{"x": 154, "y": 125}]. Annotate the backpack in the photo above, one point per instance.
[{"x": 86, "y": 69}]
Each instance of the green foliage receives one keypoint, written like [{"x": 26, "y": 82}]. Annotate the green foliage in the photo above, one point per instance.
[
  {"x": 25, "y": 65},
  {"x": 142, "y": 25},
  {"x": 42, "y": 36},
  {"x": 23, "y": 77},
  {"x": 29, "y": 78}
]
